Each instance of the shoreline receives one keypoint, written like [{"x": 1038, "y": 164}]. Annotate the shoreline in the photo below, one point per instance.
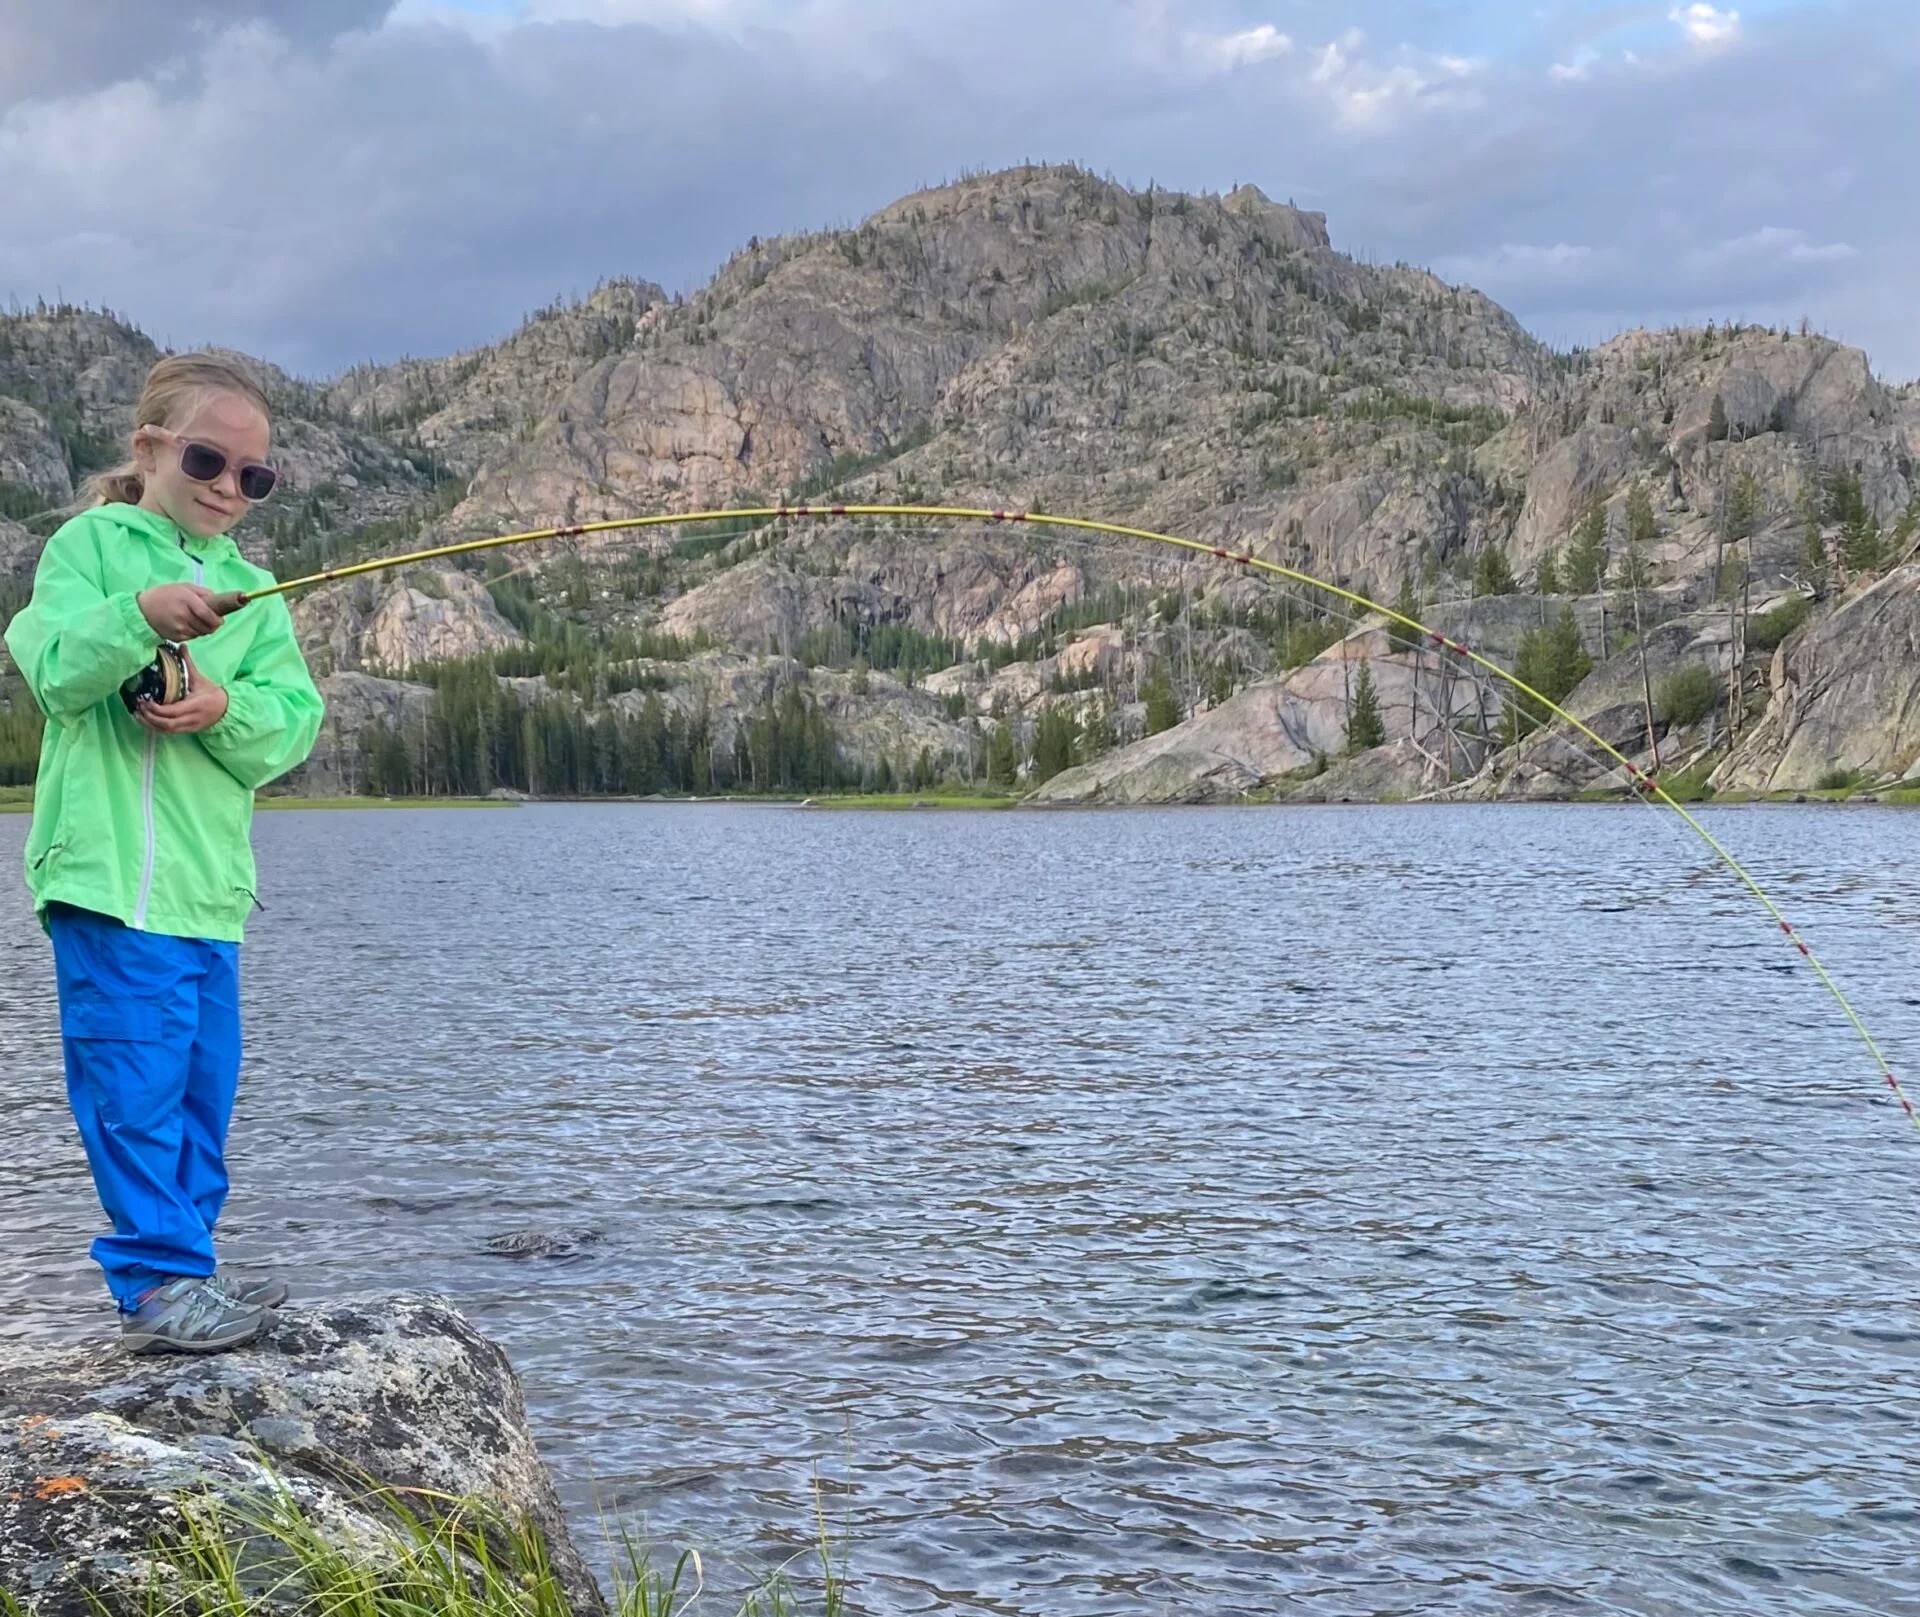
[{"x": 19, "y": 800}]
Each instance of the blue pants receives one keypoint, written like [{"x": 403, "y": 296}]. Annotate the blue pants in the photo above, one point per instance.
[{"x": 151, "y": 1030}]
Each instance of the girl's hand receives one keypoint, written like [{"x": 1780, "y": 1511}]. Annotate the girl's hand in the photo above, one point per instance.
[
  {"x": 179, "y": 611},
  {"x": 204, "y": 705}
]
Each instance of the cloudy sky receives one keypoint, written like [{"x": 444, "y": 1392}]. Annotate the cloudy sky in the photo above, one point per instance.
[{"x": 322, "y": 181}]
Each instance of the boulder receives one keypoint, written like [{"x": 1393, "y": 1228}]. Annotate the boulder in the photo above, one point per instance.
[
  {"x": 19, "y": 551},
  {"x": 97, "y": 1449},
  {"x": 31, "y": 456},
  {"x": 1844, "y": 695},
  {"x": 391, "y": 623},
  {"x": 1275, "y": 731},
  {"x": 1612, "y": 702},
  {"x": 355, "y": 704}
]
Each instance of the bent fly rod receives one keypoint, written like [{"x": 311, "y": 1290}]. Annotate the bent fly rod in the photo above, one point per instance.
[{"x": 1645, "y": 784}]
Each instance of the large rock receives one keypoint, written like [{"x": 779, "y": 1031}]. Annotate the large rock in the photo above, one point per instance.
[
  {"x": 1612, "y": 702},
  {"x": 19, "y": 551},
  {"x": 1060, "y": 337},
  {"x": 1844, "y": 695},
  {"x": 1276, "y": 731},
  {"x": 98, "y": 1449},
  {"x": 1586, "y": 465},
  {"x": 1038, "y": 339},
  {"x": 469, "y": 405},
  {"x": 356, "y": 704},
  {"x": 1270, "y": 731},
  {"x": 964, "y": 585},
  {"x": 30, "y": 453},
  {"x": 387, "y": 624},
  {"x": 1383, "y": 774}
]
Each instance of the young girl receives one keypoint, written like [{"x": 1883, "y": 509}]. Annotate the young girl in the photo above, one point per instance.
[{"x": 139, "y": 860}]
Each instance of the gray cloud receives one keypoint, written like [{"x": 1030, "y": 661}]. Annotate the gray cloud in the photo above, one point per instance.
[
  {"x": 49, "y": 48},
  {"x": 427, "y": 183}
]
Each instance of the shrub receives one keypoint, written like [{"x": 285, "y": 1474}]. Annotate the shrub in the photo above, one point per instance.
[
  {"x": 1688, "y": 695},
  {"x": 1767, "y": 631}
]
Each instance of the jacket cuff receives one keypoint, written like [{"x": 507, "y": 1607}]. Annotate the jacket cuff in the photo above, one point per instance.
[
  {"x": 232, "y": 725},
  {"x": 127, "y": 613}
]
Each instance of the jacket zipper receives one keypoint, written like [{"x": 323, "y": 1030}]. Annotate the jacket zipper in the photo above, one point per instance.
[
  {"x": 146, "y": 788},
  {"x": 146, "y": 810}
]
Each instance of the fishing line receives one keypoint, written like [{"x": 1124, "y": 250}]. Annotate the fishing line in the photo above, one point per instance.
[{"x": 1463, "y": 655}]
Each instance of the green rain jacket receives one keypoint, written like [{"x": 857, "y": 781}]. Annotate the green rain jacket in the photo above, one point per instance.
[{"x": 152, "y": 829}]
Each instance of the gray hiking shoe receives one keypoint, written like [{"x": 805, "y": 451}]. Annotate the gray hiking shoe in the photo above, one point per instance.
[
  {"x": 250, "y": 1291},
  {"x": 190, "y": 1316}
]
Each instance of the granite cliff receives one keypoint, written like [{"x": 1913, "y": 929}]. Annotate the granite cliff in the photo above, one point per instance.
[{"x": 1045, "y": 339}]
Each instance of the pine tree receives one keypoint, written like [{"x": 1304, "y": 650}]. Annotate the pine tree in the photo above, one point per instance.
[
  {"x": 1733, "y": 578},
  {"x": 1907, "y": 526},
  {"x": 1547, "y": 579},
  {"x": 1861, "y": 546},
  {"x": 1641, "y": 527},
  {"x": 1003, "y": 757},
  {"x": 1407, "y": 604},
  {"x": 1054, "y": 736},
  {"x": 1813, "y": 550},
  {"x": 1163, "y": 706},
  {"x": 1743, "y": 507},
  {"x": 1845, "y": 501},
  {"x": 1553, "y": 661},
  {"x": 388, "y": 765},
  {"x": 1491, "y": 574},
  {"x": 1531, "y": 666},
  {"x": 1365, "y": 726},
  {"x": 1587, "y": 555},
  {"x": 1097, "y": 733},
  {"x": 1634, "y": 577},
  {"x": 1568, "y": 663},
  {"x": 1717, "y": 421},
  {"x": 1632, "y": 572}
]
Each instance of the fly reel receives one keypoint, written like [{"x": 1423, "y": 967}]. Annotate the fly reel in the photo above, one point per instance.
[{"x": 163, "y": 681}]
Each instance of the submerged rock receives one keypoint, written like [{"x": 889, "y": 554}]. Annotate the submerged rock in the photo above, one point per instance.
[
  {"x": 543, "y": 1243},
  {"x": 97, "y": 1449}
]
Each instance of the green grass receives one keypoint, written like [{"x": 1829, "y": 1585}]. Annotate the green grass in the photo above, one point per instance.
[
  {"x": 422, "y": 1554},
  {"x": 1689, "y": 785},
  {"x": 913, "y": 800}
]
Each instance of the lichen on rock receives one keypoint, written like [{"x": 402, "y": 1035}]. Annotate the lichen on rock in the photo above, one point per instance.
[{"x": 99, "y": 1452}]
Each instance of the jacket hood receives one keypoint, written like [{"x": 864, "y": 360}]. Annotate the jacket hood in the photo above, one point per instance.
[{"x": 134, "y": 519}]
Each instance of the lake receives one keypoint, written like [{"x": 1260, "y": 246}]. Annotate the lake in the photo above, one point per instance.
[{"x": 1345, "y": 1210}]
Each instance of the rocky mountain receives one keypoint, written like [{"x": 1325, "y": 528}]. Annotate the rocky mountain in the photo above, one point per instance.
[{"x": 1046, "y": 340}]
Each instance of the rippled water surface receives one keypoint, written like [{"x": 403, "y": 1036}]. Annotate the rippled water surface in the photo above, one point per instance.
[{"x": 1336, "y": 1211}]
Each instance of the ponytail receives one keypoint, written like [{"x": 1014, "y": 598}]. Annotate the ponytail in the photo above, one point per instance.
[
  {"x": 174, "y": 389},
  {"x": 122, "y": 486}
]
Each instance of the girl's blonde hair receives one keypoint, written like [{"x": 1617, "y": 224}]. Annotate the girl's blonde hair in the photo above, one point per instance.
[{"x": 174, "y": 389}]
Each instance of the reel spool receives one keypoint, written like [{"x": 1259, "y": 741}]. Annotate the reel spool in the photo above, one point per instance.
[{"x": 163, "y": 681}]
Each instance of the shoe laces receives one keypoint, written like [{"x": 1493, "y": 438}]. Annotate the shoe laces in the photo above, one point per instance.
[{"x": 206, "y": 1302}]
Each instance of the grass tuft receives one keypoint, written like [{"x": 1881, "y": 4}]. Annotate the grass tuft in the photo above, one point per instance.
[{"x": 415, "y": 1553}]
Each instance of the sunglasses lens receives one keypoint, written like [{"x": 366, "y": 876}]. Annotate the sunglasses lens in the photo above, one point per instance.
[
  {"x": 256, "y": 482},
  {"x": 202, "y": 462}
]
